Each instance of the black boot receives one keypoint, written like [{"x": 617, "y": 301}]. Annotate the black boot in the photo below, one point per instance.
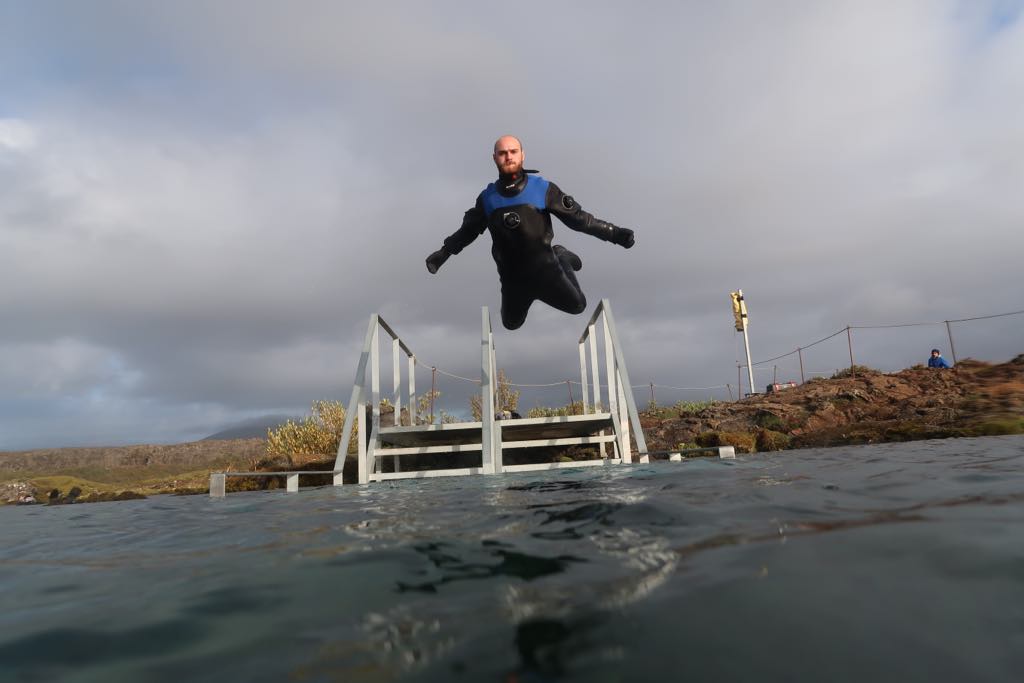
[{"x": 567, "y": 257}]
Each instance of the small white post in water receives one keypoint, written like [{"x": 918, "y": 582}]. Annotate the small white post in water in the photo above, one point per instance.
[{"x": 218, "y": 484}]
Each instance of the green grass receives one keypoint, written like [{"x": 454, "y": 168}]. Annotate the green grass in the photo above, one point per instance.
[
  {"x": 999, "y": 427},
  {"x": 679, "y": 409},
  {"x": 858, "y": 370},
  {"x": 150, "y": 479}
]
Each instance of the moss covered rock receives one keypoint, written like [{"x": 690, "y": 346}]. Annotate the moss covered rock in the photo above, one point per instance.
[
  {"x": 769, "y": 440},
  {"x": 743, "y": 442}
]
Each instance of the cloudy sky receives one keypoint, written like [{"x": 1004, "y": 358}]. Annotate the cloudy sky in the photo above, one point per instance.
[{"x": 201, "y": 203}]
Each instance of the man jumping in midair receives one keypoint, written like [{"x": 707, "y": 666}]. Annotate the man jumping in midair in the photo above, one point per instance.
[{"x": 517, "y": 210}]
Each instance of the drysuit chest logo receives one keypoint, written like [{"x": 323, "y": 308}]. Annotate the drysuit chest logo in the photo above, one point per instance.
[{"x": 511, "y": 219}]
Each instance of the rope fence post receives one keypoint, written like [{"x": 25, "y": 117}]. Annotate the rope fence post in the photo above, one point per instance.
[
  {"x": 654, "y": 401},
  {"x": 952, "y": 348},
  {"x": 800, "y": 354},
  {"x": 849, "y": 342}
]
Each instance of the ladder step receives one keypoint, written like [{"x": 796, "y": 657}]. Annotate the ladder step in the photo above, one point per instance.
[
  {"x": 424, "y": 474},
  {"x": 424, "y": 450},
  {"x": 567, "y": 441},
  {"x": 560, "y": 465}
]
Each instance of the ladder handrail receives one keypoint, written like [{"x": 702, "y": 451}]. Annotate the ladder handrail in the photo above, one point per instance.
[
  {"x": 618, "y": 362},
  {"x": 357, "y": 398},
  {"x": 487, "y": 393}
]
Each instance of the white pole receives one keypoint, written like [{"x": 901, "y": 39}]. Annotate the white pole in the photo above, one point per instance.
[
  {"x": 750, "y": 369},
  {"x": 746, "y": 341},
  {"x": 486, "y": 396}
]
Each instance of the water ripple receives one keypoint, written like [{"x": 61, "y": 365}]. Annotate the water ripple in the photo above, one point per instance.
[{"x": 865, "y": 557}]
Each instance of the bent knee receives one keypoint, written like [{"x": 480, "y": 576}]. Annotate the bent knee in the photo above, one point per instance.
[
  {"x": 512, "y": 321},
  {"x": 513, "y": 324}
]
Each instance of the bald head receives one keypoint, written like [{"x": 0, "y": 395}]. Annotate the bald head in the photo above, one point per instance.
[
  {"x": 508, "y": 155},
  {"x": 506, "y": 140}
]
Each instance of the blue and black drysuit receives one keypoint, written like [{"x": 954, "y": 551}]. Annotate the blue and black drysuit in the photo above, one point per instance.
[{"x": 517, "y": 211}]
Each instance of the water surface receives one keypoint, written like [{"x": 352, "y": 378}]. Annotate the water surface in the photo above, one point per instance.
[{"x": 892, "y": 562}]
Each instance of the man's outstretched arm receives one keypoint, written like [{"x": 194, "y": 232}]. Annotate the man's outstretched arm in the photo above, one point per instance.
[
  {"x": 573, "y": 215},
  {"x": 474, "y": 222}
]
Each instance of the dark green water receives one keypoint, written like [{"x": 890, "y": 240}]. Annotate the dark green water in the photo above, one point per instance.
[{"x": 899, "y": 562}]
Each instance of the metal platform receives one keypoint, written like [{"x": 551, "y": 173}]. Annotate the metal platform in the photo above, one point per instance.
[
  {"x": 467, "y": 437},
  {"x": 606, "y": 421},
  {"x": 516, "y": 433},
  {"x": 609, "y": 422}
]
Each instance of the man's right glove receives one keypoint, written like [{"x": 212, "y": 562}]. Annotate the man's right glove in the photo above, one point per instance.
[
  {"x": 622, "y": 237},
  {"x": 437, "y": 259}
]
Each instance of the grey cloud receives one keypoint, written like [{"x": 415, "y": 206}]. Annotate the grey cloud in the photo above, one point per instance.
[{"x": 219, "y": 196}]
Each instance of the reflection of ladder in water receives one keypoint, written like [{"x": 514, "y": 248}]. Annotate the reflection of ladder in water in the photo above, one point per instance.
[{"x": 601, "y": 424}]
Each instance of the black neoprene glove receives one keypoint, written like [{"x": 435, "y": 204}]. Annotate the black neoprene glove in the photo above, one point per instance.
[
  {"x": 622, "y": 237},
  {"x": 437, "y": 259}
]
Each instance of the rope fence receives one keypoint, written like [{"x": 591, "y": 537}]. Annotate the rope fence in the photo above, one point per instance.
[
  {"x": 798, "y": 352},
  {"x": 520, "y": 385}
]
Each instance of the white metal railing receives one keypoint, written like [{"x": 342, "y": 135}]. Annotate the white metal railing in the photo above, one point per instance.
[
  {"x": 356, "y": 411},
  {"x": 490, "y": 435},
  {"x": 618, "y": 405},
  {"x": 620, "y": 401}
]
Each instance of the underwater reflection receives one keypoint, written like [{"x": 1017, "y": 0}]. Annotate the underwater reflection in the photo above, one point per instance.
[
  {"x": 575, "y": 519},
  {"x": 558, "y": 485},
  {"x": 548, "y": 647},
  {"x": 507, "y": 563}
]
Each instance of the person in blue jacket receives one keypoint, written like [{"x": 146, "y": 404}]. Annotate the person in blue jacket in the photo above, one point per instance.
[
  {"x": 937, "y": 361},
  {"x": 517, "y": 210}
]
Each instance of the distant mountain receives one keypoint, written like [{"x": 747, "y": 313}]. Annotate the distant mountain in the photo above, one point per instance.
[{"x": 252, "y": 429}]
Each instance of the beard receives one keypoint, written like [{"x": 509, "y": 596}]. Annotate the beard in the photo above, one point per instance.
[{"x": 511, "y": 170}]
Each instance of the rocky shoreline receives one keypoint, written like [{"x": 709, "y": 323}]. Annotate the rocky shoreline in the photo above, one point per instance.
[
  {"x": 100, "y": 474},
  {"x": 25, "y": 493},
  {"x": 866, "y": 406},
  {"x": 974, "y": 399}
]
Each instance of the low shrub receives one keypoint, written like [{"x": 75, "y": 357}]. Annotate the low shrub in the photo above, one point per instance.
[
  {"x": 858, "y": 370},
  {"x": 506, "y": 398},
  {"x": 678, "y": 409},
  {"x": 575, "y": 408},
  {"x": 770, "y": 440},
  {"x": 317, "y": 434},
  {"x": 743, "y": 442},
  {"x": 770, "y": 421}
]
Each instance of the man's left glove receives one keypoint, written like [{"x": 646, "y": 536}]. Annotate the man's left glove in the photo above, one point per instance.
[
  {"x": 437, "y": 259},
  {"x": 622, "y": 237}
]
